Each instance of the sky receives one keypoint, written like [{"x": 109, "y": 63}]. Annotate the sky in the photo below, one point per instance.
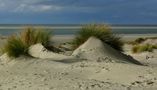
[{"x": 78, "y": 11}]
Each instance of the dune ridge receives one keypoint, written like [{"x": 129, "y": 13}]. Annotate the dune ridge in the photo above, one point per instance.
[{"x": 94, "y": 49}]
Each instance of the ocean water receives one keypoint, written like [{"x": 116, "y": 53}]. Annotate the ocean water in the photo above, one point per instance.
[{"x": 6, "y": 29}]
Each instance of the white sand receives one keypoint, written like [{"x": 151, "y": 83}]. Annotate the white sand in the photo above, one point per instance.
[
  {"x": 38, "y": 51},
  {"x": 46, "y": 73},
  {"x": 94, "y": 49},
  {"x": 131, "y": 37},
  {"x": 150, "y": 41},
  {"x": 149, "y": 58},
  {"x": 41, "y": 74}
]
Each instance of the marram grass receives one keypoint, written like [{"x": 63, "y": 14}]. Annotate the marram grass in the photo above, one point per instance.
[
  {"x": 32, "y": 36},
  {"x": 19, "y": 44},
  {"x": 140, "y": 40},
  {"x": 14, "y": 47},
  {"x": 143, "y": 48},
  {"x": 102, "y": 32}
]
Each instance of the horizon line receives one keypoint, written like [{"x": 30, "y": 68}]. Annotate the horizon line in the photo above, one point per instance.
[{"x": 83, "y": 24}]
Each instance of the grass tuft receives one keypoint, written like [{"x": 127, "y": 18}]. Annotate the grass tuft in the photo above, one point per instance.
[
  {"x": 101, "y": 31},
  {"x": 140, "y": 40},
  {"x": 14, "y": 47},
  {"x": 19, "y": 44},
  {"x": 143, "y": 48},
  {"x": 32, "y": 36}
]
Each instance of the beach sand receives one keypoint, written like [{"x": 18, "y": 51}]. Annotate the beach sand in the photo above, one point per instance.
[{"x": 51, "y": 71}]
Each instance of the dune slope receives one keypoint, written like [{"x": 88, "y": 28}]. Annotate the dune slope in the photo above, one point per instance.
[
  {"x": 39, "y": 51},
  {"x": 94, "y": 49}
]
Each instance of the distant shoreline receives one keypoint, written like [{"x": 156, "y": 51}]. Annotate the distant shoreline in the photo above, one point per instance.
[
  {"x": 128, "y": 37},
  {"x": 144, "y": 25}
]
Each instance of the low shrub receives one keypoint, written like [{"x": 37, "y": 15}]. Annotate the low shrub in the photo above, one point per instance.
[{"x": 103, "y": 32}]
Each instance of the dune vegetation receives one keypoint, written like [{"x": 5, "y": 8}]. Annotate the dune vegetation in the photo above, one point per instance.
[
  {"x": 100, "y": 31},
  {"x": 143, "y": 48},
  {"x": 17, "y": 45},
  {"x": 14, "y": 47},
  {"x": 139, "y": 45},
  {"x": 32, "y": 36},
  {"x": 140, "y": 40}
]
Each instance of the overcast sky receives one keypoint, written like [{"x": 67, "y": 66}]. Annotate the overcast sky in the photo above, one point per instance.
[{"x": 78, "y": 11}]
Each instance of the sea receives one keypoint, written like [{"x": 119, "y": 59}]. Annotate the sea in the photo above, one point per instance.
[{"x": 71, "y": 29}]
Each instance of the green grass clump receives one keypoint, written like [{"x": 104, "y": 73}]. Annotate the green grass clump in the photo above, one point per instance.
[
  {"x": 32, "y": 36},
  {"x": 136, "y": 41},
  {"x": 19, "y": 44},
  {"x": 143, "y": 48},
  {"x": 140, "y": 40},
  {"x": 103, "y": 32},
  {"x": 14, "y": 47},
  {"x": 151, "y": 38}
]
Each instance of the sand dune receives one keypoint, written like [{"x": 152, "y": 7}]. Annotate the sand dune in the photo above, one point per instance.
[
  {"x": 100, "y": 70},
  {"x": 94, "y": 49},
  {"x": 27, "y": 73},
  {"x": 39, "y": 51},
  {"x": 150, "y": 41}
]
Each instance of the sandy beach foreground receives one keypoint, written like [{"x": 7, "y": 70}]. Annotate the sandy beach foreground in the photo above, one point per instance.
[{"x": 90, "y": 67}]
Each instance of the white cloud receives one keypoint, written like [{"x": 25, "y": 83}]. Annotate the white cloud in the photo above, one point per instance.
[
  {"x": 36, "y": 8},
  {"x": 44, "y": 6},
  {"x": 26, "y": 6},
  {"x": 73, "y": 5}
]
